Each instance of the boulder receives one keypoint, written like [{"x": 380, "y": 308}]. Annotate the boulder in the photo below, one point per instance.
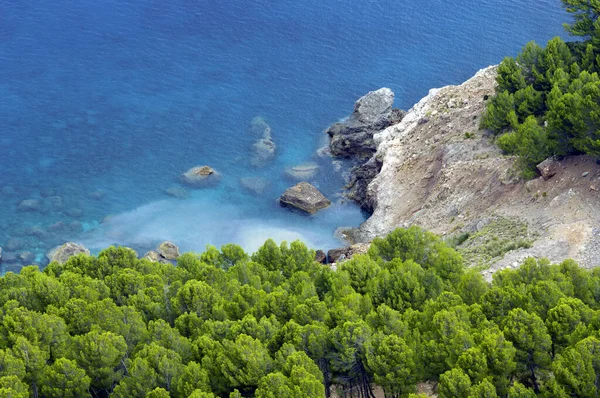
[
  {"x": 263, "y": 151},
  {"x": 57, "y": 227},
  {"x": 256, "y": 185},
  {"x": 200, "y": 176},
  {"x": 74, "y": 212},
  {"x": 303, "y": 196},
  {"x": 97, "y": 195},
  {"x": 168, "y": 250},
  {"x": 321, "y": 257},
  {"x": 30, "y": 205},
  {"x": 548, "y": 168},
  {"x": 154, "y": 257},
  {"x": 61, "y": 254},
  {"x": 353, "y": 138},
  {"x": 345, "y": 253},
  {"x": 302, "y": 172}
]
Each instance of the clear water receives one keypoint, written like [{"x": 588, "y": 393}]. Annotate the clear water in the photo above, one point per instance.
[{"x": 120, "y": 97}]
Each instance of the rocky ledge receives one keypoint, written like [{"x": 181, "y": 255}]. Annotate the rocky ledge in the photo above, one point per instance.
[{"x": 436, "y": 169}]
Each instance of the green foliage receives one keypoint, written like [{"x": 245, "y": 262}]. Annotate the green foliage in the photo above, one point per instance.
[
  {"x": 277, "y": 324},
  {"x": 547, "y": 101}
]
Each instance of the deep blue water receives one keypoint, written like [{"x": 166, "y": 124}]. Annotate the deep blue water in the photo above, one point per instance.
[{"x": 120, "y": 97}]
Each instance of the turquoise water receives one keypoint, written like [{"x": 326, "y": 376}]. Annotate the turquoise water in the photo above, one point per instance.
[{"x": 105, "y": 104}]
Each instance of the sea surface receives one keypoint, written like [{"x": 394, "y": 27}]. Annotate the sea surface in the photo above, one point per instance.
[{"x": 103, "y": 104}]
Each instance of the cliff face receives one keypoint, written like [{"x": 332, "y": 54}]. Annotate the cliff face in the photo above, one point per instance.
[{"x": 441, "y": 172}]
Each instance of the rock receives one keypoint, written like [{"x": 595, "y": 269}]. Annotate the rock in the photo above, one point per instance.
[
  {"x": 361, "y": 177},
  {"x": 47, "y": 192},
  {"x": 0, "y": 255},
  {"x": 334, "y": 255},
  {"x": 26, "y": 257},
  {"x": 14, "y": 244},
  {"x": 30, "y": 205},
  {"x": 548, "y": 168},
  {"x": 201, "y": 177},
  {"x": 61, "y": 254},
  {"x": 168, "y": 250},
  {"x": 263, "y": 151},
  {"x": 259, "y": 128},
  {"x": 256, "y": 185},
  {"x": 177, "y": 192},
  {"x": 585, "y": 173},
  {"x": 9, "y": 258},
  {"x": 321, "y": 257},
  {"x": 303, "y": 196},
  {"x": 302, "y": 172},
  {"x": 346, "y": 235},
  {"x": 154, "y": 257},
  {"x": 345, "y": 253},
  {"x": 372, "y": 113}
]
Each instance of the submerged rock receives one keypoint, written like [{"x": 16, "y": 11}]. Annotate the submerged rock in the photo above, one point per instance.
[
  {"x": 259, "y": 128},
  {"x": 26, "y": 257},
  {"x": 30, "y": 205},
  {"x": 177, "y": 192},
  {"x": 256, "y": 185},
  {"x": 0, "y": 254},
  {"x": 302, "y": 172},
  {"x": 303, "y": 196},
  {"x": 14, "y": 244},
  {"x": 263, "y": 151},
  {"x": 61, "y": 254},
  {"x": 47, "y": 192},
  {"x": 372, "y": 113},
  {"x": 201, "y": 177},
  {"x": 54, "y": 202},
  {"x": 168, "y": 250}
]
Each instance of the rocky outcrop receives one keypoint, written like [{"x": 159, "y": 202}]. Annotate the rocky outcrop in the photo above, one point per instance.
[
  {"x": 441, "y": 172},
  {"x": 372, "y": 113},
  {"x": 201, "y": 177},
  {"x": 168, "y": 250},
  {"x": 345, "y": 253},
  {"x": 155, "y": 257},
  {"x": 61, "y": 254},
  {"x": 305, "y": 197}
]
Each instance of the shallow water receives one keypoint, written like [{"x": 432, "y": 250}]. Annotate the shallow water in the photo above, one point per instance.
[{"x": 105, "y": 104}]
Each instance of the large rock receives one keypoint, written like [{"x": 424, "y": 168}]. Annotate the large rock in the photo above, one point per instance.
[
  {"x": 61, "y": 254},
  {"x": 548, "y": 168},
  {"x": 200, "y": 176},
  {"x": 168, "y": 250},
  {"x": 302, "y": 172},
  {"x": 305, "y": 197},
  {"x": 154, "y": 257},
  {"x": 353, "y": 138}
]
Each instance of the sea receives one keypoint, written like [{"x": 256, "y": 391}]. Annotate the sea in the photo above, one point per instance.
[{"x": 104, "y": 104}]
